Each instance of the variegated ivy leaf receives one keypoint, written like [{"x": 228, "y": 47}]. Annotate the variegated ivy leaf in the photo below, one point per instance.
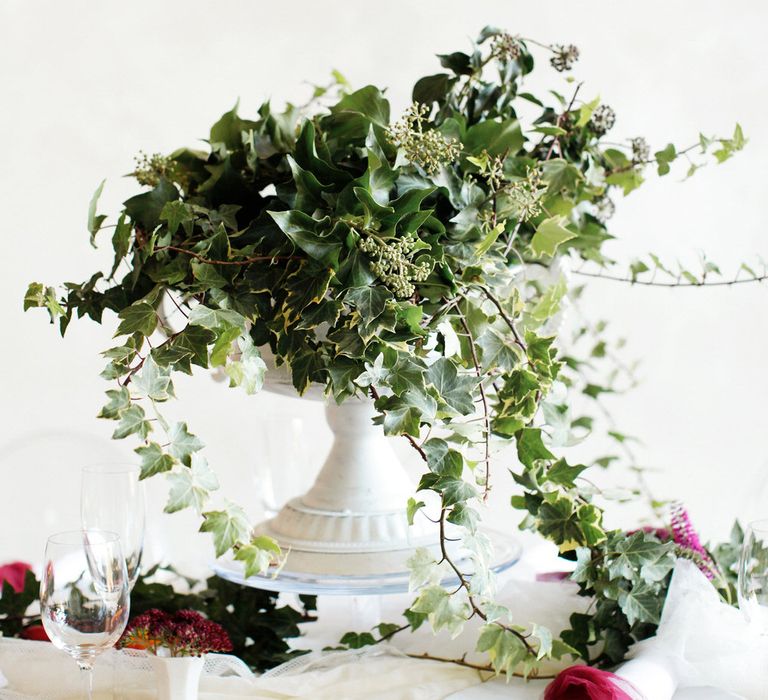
[
  {"x": 214, "y": 319},
  {"x": 119, "y": 400},
  {"x": 505, "y": 649},
  {"x": 132, "y": 420},
  {"x": 153, "y": 381},
  {"x": 424, "y": 569},
  {"x": 191, "y": 486},
  {"x": 443, "y": 610},
  {"x": 249, "y": 370},
  {"x": 544, "y": 635},
  {"x": 153, "y": 460},
  {"x": 374, "y": 372},
  {"x": 228, "y": 527},
  {"x": 258, "y": 555},
  {"x": 183, "y": 443}
]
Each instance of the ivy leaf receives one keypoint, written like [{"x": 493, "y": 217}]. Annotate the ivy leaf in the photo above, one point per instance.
[
  {"x": 137, "y": 318},
  {"x": 132, "y": 420},
  {"x": 357, "y": 640},
  {"x": 505, "y": 649},
  {"x": 641, "y": 604},
  {"x": 424, "y": 569},
  {"x": 216, "y": 319},
  {"x": 258, "y": 555},
  {"x": 530, "y": 447},
  {"x": 153, "y": 381},
  {"x": 443, "y": 460},
  {"x": 412, "y": 508},
  {"x": 153, "y": 460},
  {"x": 665, "y": 157},
  {"x": 496, "y": 352},
  {"x": 191, "y": 486},
  {"x": 638, "y": 551},
  {"x": 443, "y": 610},
  {"x": 227, "y": 526},
  {"x": 564, "y": 474},
  {"x": 183, "y": 443},
  {"x": 119, "y": 400},
  {"x": 175, "y": 213},
  {"x": 95, "y": 220},
  {"x": 454, "y": 390},
  {"x": 247, "y": 372},
  {"x": 550, "y": 233},
  {"x": 145, "y": 209},
  {"x": 311, "y": 235},
  {"x": 369, "y": 301},
  {"x": 195, "y": 340}
]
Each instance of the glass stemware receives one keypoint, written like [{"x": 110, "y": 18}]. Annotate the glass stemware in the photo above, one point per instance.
[
  {"x": 84, "y": 595},
  {"x": 112, "y": 499},
  {"x": 753, "y": 575}
]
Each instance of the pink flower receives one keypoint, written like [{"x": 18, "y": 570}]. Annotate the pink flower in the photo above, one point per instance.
[
  {"x": 14, "y": 574},
  {"x": 587, "y": 683},
  {"x": 688, "y": 541}
]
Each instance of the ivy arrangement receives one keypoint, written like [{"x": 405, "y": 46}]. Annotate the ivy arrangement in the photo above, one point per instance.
[{"x": 390, "y": 255}]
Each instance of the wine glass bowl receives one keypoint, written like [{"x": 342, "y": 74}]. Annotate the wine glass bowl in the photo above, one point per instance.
[
  {"x": 112, "y": 499},
  {"x": 84, "y": 594},
  {"x": 753, "y": 575}
]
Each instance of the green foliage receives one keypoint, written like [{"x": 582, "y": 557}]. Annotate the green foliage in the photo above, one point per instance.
[{"x": 390, "y": 259}]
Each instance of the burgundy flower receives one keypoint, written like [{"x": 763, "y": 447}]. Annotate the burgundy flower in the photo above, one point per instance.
[
  {"x": 185, "y": 633},
  {"x": 587, "y": 683}
]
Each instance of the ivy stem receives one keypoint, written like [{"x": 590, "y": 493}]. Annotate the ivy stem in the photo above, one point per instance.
[
  {"x": 486, "y": 418},
  {"x": 245, "y": 261},
  {"x": 464, "y": 583},
  {"x": 506, "y": 318}
]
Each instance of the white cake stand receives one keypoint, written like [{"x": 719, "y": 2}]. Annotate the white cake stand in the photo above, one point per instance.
[{"x": 349, "y": 533}]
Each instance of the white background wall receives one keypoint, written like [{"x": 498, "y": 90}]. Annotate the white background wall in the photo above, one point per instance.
[{"x": 85, "y": 85}]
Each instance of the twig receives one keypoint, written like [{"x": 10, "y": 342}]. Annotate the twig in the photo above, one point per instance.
[
  {"x": 651, "y": 283},
  {"x": 556, "y": 140},
  {"x": 477, "y": 667}
]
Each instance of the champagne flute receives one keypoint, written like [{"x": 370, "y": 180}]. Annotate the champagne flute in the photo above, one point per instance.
[
  {"x": 753, "y": 575},
  {"x": 112, "y": 499},
  {"x": 84, "y": 595}
]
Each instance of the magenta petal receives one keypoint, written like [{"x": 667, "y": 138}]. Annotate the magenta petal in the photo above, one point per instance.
[{"x": 586, "y": 683}]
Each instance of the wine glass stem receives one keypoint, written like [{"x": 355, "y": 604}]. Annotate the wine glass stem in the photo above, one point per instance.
[{"x": 87, "y": 676}]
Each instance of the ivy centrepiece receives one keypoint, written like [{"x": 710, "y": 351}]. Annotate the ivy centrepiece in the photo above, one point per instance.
[{"x": 389, "y": 255}]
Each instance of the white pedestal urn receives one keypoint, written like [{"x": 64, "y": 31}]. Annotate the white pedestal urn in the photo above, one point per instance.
[
  {"x": 178, "y": 677},
  {"x": 352, "y": 521}
]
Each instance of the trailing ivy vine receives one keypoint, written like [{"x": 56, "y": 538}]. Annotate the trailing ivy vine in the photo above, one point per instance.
[{"x": 391, "y": 256}]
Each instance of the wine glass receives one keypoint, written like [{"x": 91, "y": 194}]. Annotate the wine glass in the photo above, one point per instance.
[
  {"x": 112, "y": 499},
  {"x": 753, "y": 575},
  {"x": 84, "y": 595}
]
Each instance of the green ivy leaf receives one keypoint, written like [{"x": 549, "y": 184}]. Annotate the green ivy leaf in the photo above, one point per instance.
[
  {"x": 95, "y": 220},
  {"x": 550, "y": 234},
  {"x": 453, "y": 389},
  {"x": 228, "y": 527},
  {"x": 258, "y": 555},
  {"x": 137, "y": 318},
  {"x": 505, "y": 649}
]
